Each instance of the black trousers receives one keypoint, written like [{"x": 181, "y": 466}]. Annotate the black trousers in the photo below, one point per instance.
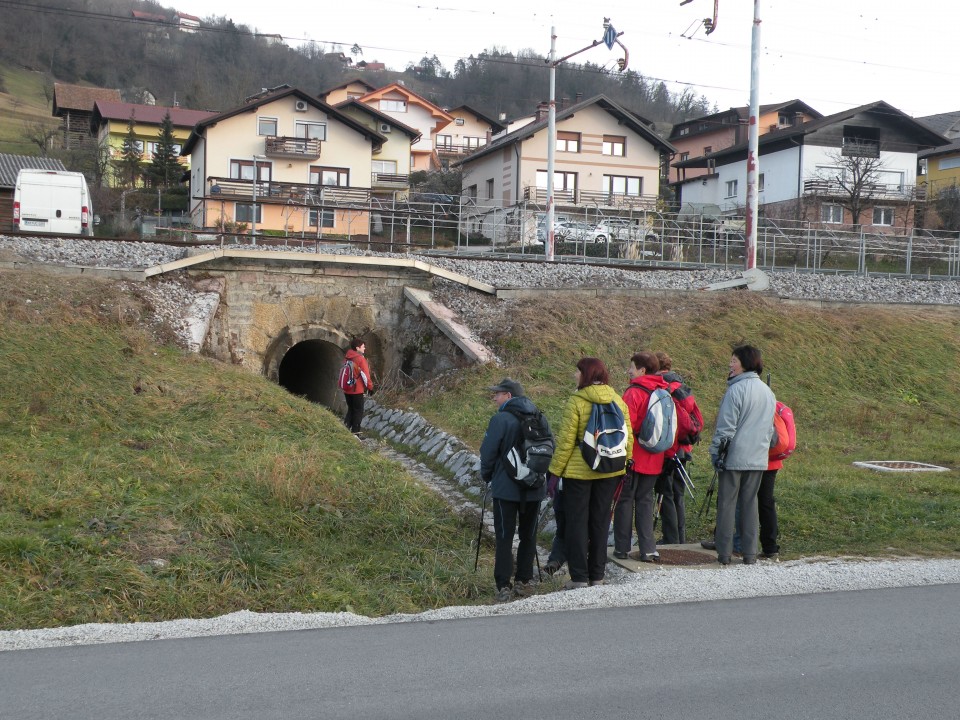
[
  {"x": 767, "y": 510},
  {"x": 354, "y": 411},
  {"x": 510, "y": 517},
  {"x": 587, "y": 506},
  {"x": 673, "y": 508},
  {"x": 558, "y": 550}
]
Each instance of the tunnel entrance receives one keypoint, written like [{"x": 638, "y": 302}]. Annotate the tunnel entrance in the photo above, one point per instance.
[{"x": 310, "y": 369}]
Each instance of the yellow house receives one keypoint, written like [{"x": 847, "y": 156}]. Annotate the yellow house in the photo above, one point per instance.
[
  {"x": 350, "y": 90},
  {"x": 110, "y": 121},
  {"x": 312, "y": 164},
  {"x": 469, "y": 131}
]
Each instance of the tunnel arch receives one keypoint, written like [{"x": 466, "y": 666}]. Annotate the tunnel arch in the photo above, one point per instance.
[{"x": 306, "y": 361}]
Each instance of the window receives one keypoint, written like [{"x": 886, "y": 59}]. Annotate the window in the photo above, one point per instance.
[
  {"x": 622, "y": 185},
  {"x": 562, "y": 181},
  {"x": 243, "y": 170},
  {"x": 732, "y": 188},
  {"x": 387, "y": 167},
  {"x": 883, "y": 216},
  {"x": 614, "y": 145},
  {"x": 760, "y": 183},
  {"x": 568, "y": 142},
  {"x": 783, "y": 120},
  {"x": 458, "y": 121},
  {"x": 444, "y": 141},
  {"x": 707, "y": 149},
  {"x": 685, "y": 131},
  {"x": 329, "y": 176},
  {"x": 393, "y": 106},
  {"x": 310, "y": 130},
  {"x": 325, "y": 217},
  {"x": 474, "y": 142},
  {"x": 831, "y": 214},
  {"x": 922, "y": 167},
  {"x": 947, "y": 163},
  {"x": 152, "y": 148},
  {"x": 472, "y": 192},
  {"x": 267, "y": 126},
  {"x": 490, "y": 189},
  {"x": 244, "y": 212},
  {"x": 684, "y": 156}
]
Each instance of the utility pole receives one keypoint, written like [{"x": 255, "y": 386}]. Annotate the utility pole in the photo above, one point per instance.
[
  {"x": 610, "y": 36},
  {"x": 753, "y": 144}
]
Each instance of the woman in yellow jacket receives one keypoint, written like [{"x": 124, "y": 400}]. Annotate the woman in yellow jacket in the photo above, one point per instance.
[{"x": 587, "y": 494}]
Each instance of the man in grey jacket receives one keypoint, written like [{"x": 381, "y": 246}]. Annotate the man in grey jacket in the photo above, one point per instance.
[{"x": 745, "y": 426}]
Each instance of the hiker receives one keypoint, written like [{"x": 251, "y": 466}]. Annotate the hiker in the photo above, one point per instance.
[
  {"x": 745, "y": 426},
  {"x": 515, "y": 509},
  {"x": 635, "y": 503},
  {"x": 362, "y": 384},
  {"x": 587, "y": 493},
  {"x": 558, "y": 548},
  {"x": 671, "y": 481}
]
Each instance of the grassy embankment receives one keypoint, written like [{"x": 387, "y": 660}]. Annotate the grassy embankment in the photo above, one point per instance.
[
  {"x": 864, "y": 384},
  {"x": 139, "y": 483},
  {"x": 22, "y": 106}
]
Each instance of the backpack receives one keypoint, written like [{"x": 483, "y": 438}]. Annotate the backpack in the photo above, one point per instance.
[
  {"x": 604, "y": 443},
  {"x": 689, "y": 417},
  {"x": 347, "y": 379},
  {"x": 784, "y": 440},
  {"x": 529, "y": 459},
  {"x": 658, "y": 431}
]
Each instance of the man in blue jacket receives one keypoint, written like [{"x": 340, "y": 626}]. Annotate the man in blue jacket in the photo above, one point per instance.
[{"x": 515, "y": 508}]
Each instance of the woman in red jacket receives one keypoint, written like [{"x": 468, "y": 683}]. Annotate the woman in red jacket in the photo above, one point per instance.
[
  {"x": 354, "y": 396},
  {"x": 635, "y": 503}
]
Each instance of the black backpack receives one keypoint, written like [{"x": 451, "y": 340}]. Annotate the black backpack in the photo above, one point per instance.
[{"x": 527, "y": 462}]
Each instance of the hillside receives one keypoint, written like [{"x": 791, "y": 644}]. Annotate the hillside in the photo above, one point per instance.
[{"x": 140, "y": 483}]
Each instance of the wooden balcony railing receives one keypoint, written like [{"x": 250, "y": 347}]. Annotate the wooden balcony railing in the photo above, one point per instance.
[
  {"x": 273, "y": 192},
  {"x": 389, "y": 180},
  {"x": 593, "y": 198},
  {"x": 292, "y": 147}
]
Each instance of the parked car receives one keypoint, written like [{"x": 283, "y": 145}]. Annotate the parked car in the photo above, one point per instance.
[
  {"x": 576, "y": 231},
  {"x": 616, "y": 228}
]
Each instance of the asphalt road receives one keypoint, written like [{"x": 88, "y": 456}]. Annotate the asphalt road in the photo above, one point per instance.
[{"x": 866, "y": 654}]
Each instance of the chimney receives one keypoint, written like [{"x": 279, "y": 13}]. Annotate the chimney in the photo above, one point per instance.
[
  {"x": 564, "y": 101},
  {"x": 798, "y": 118},
  {"x": 489, "y": 136},
  {"x": 579, "y": 98},
  {"x": 502, "y": 116},
  {"x": 543, "y": 110}
]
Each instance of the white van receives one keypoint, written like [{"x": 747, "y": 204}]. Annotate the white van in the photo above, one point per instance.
[{"x": 52, "y": 201}]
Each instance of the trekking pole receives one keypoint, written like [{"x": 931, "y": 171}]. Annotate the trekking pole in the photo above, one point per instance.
[
  {"x": 483, "y": 507},
  {"x": 617, "y": 494},
  {"x": 709, "y": 495},
  {"x": 656, "y": 513},
  {"x": 685, "y": 476}
]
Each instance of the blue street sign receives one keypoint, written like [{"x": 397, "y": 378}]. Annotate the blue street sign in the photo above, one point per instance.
[{"x": 609, "y": 37}]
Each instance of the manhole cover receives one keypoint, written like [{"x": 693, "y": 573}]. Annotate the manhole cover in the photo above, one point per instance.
[
  {"x": 899, "y": 466},
  {"x": 679, "y": 557}
]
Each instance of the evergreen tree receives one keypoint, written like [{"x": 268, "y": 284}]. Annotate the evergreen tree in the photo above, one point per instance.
[
  {"x": 165, "y": 168},
  {"x": 127, "y": 165}
]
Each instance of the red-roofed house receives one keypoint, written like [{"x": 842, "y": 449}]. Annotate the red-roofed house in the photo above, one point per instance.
[
  {"x": 110, "y": 119},
  {"x": 73, "y": 104},
  {"x": 187, "y": 23},
  {"x": 414, "y": 111}
]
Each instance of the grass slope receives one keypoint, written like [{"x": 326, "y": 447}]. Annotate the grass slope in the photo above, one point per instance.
[
  {"x": 864, "y": 384},
  {"x": 22, "y": 105},
  {"x": 140, "y": 483}
]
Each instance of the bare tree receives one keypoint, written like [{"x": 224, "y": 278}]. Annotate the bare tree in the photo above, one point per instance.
[
  {"x": 41, "y": 135},
  {"x": 855, "y": 175}
]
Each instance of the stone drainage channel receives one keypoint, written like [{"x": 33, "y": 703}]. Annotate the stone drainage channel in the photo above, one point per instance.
[{"x": 401, "y": 435}]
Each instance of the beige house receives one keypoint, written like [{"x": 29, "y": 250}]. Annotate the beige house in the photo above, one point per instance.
[
  {"x": 350, "y": 90},
  {"x": 388, "y": 177},
  {"x": 608, "y": 161},
  {"x": 413, "y": 111},
  {"x": 469, "y": 131},
  {"x": 312, "y": 163}
]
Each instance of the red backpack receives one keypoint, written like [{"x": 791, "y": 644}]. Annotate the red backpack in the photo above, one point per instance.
[
  {"x": 784, "y": 440},
  {"x": 689, "y": 417}
]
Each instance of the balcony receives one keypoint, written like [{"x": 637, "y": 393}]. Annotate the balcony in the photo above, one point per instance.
[
  {"x": 453, "y": 150},
  {"x": 290, "y": 147},
  {"x": 285, "y": 193},
  {"x": 879, "y": 191},
  {"x": 389, "y": 181},
  {"x": 592, "y": 198}
]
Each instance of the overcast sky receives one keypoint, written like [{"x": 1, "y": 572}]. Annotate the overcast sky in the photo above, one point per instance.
[{"x": 832, "y": 54}]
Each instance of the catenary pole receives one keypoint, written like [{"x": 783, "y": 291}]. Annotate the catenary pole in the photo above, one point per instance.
[
  {"x": 753, "y": 143},
  {"x": 551, "y": 144}
]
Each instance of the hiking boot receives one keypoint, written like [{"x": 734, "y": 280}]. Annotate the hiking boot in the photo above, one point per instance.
[
  {"x": 620, "y": 555},
  {"x": 552, "y": 568},
  {"x": 574, "y": 585},
  {"x": 725, "y": 561},
  {"x": 708, "y": 545},
  {"x": 749, "y": 559},
  {"x": 524, "y": 589},
  {"x": 650, "y": 557},
  {"x": 596, "y": 582},
  {"x": 772, "y": 557},
  {"x": 504, "y": 594}
]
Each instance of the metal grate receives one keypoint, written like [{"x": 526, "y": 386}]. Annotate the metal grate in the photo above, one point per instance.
[{"x": 899, "y": 466}]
